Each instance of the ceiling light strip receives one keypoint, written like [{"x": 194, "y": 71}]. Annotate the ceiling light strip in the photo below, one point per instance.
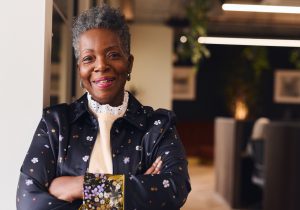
[
  {"x": 249, "y": 41},
  {"x": 261, "y": 8}
]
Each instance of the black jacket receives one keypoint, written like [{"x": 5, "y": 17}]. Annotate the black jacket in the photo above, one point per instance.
[{"x": 63, "y": 142}]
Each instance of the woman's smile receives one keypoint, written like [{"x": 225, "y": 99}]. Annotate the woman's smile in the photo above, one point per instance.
[{"x": 104, "y": 82}]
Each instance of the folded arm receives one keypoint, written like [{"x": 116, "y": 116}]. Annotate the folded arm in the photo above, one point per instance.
[
  {"x": 165, "y": 190},
  {"x": 170, "y": 188},
  {"x": 37, "y": 172},
  {"x": 70, "y": 188}
]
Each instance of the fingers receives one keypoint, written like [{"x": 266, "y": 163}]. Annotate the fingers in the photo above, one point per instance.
[{"x": 155, "y": 168}]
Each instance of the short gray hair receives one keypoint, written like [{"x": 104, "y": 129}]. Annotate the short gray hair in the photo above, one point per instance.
[{"x": 101, "y": 17}]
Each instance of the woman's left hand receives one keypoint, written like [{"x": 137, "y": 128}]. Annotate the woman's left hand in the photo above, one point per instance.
[
  {"x": 67, "y": 188},
  {"x": 155, "y": 167}
]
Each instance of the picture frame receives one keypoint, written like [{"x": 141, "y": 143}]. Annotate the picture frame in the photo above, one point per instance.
[
  {"x": 287, "y": 86},
  {"x": 184, "y": 83}
]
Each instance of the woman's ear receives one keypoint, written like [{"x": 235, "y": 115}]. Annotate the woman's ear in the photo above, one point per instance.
[
  {"x": 129, "y": 68},
  {"x": 130, "y": 62}
]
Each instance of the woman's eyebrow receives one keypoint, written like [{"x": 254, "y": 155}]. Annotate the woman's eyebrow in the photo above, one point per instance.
[
  {"x": 105, "y": 49},
  {"x": 115, "y": 47},
  {"x": 84, "y": 50},
  {"x": 112, "y": 47}
]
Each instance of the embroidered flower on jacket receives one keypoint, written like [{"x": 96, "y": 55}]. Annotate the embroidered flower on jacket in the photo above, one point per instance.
[
  {"x": 166, "y": 183},
  {"x": 34, "y": 160},
  {"x": 126, "y": 160},
  {"x": 85, "y": 158},
  {"x": 106, "y": 195},
  {"x": 60, "y": 138},
  {"x": 101, "y": 188},
  {"x": 157, "y": 122},
  {"x": 89, "y": 138},
  {"x": 28, "y": 182},
  {"x": 138, "y": 148},
  {"x": 118, "y": 186}
]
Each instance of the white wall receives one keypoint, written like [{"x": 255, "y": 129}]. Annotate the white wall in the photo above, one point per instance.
[
  {"x": 22, "y": 58},
  {"x": 152, "y": 75}
]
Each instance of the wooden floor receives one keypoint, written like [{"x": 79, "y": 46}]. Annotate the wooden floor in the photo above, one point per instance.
[{"x": 202, "y": 196}]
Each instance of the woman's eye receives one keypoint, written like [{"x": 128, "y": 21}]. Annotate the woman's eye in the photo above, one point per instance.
[
  {"x": 114, "y": 55},
  {"x": 87, "y": 59}
]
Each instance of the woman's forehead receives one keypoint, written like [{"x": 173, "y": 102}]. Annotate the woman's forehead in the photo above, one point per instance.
[{"x": 103, "y": 37}]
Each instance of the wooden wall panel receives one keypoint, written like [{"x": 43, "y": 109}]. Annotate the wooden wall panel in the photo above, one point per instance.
[{"x": 197, "y": 138}]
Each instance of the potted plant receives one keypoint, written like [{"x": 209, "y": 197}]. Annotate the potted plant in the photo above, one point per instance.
[{"x": 244, "y": 85}]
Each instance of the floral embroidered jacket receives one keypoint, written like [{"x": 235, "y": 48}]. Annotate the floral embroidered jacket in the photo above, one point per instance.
[{"x": 64, "y": 140}]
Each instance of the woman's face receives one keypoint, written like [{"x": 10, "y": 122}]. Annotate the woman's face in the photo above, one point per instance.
[{"x": 103, "y": 65}]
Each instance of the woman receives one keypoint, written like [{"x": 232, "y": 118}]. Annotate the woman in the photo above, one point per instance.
[{"x": 105, "y": 150}]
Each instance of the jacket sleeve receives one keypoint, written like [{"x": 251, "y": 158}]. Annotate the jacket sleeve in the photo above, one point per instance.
[
  {"x": 37, "y": 172},
  {"x": 167, "y": 190},
  {"x": 170, "y": 188}
]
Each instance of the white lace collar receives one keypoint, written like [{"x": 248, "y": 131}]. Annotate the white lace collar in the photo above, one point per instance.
[{"x": 106, "y": 108}]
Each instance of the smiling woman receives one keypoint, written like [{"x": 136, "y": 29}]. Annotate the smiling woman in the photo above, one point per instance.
[{"x": 105, "y": 150}]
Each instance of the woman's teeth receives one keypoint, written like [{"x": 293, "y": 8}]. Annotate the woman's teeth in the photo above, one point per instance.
[{"x": 103, "y": 81}]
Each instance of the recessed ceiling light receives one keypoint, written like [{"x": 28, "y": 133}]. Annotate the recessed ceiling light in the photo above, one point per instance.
[
  {"x": 249, "y": 41},
  {"x": 261, "y": 8},
  {"x": 183, "y": 39}
]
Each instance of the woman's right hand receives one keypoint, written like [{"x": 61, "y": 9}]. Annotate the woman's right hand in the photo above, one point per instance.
[
  {"x": 67, "y": 188},
  {"x": 155, "y": 168}
]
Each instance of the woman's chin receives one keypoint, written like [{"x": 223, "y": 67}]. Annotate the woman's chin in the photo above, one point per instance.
[
  {"x": 109, "y": 96},
  {"x": 104, "y": 98}
]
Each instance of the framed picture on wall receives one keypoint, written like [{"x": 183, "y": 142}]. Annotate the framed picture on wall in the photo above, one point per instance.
[
  {"x": 184, "y": 83},
  {"x": 287, "y": 86}
]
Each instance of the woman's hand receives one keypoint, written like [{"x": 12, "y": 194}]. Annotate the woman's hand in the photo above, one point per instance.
[
  {"x": 67, "y": 188},
  {"x": 155, "y": 168}
]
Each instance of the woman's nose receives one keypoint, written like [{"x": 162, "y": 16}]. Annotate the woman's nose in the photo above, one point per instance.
[{"x": 101, "y": 65}]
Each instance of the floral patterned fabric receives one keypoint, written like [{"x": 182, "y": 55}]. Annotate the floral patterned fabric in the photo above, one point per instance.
[
  {"x": 63, "y": 142},
  {"x": 103, "y": 191}
]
